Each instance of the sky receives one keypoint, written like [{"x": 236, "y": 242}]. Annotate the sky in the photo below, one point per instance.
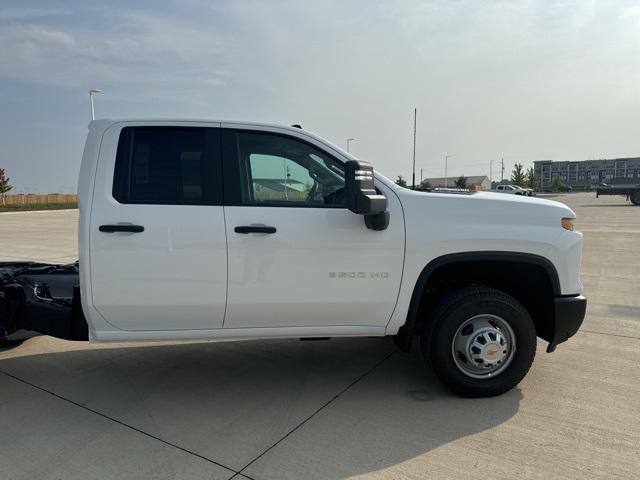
[{"x": 519, "y": 80}]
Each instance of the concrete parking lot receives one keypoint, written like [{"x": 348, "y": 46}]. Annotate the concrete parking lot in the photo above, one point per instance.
[{"x": 345, "y": 408}]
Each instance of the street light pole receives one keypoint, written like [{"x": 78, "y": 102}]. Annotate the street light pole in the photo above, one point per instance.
[
  {"x": 349, "y": 140},
  {"x": 446, "y": 158},
  {"x": 92, "y": 92},
  {"x": 413, "y": 172}
]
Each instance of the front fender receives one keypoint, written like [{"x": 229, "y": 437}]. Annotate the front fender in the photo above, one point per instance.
[{"x": 404, "y": 336}]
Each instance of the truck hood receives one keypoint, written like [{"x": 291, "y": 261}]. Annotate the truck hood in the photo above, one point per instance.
[
  {"x": 478, "y": 207},
  {"x": 519, "y": 199},
  {"x": 484, "y": 208}
]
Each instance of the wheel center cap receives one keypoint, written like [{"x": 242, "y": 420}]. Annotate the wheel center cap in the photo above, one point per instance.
[{"x": 492, "y": 353}]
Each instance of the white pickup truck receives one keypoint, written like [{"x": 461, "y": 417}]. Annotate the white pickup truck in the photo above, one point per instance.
[
  {"x": 200, "y": 230},
  {"x": 514, "y": 190}
]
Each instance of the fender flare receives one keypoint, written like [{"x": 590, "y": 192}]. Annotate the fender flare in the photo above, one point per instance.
[{"x": 404, "y": 337}]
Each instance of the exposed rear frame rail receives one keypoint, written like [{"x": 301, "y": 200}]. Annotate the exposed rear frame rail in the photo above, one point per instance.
[{"x": 26, "y": 301}]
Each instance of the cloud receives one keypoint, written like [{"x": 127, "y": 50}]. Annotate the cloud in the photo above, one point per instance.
[
  {"x": 138, "y": 48},
  {"x": 522, "y": 79},
  {"x": 21, "y": 13}
]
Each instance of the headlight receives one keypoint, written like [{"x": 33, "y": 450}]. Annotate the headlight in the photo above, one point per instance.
[{"x": 567, "y": 223}]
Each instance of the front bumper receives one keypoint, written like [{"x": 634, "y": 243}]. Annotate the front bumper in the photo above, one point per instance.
[{"x": 569, "y": 314}]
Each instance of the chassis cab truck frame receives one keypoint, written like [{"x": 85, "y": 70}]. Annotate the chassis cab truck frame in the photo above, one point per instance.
[{"x": 196, "y": 229}]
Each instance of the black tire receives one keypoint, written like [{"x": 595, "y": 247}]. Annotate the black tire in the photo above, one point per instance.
[
  {"x": 4, "y": 333},
  {"x": 449, "y": 316},
  {"x": 635, "y": 198}
]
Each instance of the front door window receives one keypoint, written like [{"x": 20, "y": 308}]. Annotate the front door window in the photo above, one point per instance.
[{"x": 281, "y": 171}]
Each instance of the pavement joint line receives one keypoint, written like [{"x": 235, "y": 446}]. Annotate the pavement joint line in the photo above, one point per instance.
[
  {"x": 84, "y": 407},
  {"x": 582, "y": 330},
  {"x": 322, "y": 407},
  {"x": 40, "y": 211},
  {"x": 25, "y": 259}
]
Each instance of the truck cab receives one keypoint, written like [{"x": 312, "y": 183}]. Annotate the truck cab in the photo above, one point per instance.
[
  {"x": 195, "y": 229},
  {"x": 242, "y": 228}
]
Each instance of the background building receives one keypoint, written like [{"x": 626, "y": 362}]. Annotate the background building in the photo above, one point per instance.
[
  {"x": 585, "y": 174},
  {"x": 477, "y": 182}
]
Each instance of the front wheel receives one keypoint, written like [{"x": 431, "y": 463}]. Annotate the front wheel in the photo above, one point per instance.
[
  {"x": 635, "y": 198},
  {"x": 480, "y": 341}
]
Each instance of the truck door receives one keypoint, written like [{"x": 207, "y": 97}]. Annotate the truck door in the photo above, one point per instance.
[
  {"x": 157, "y": 236},
  {"x": 297, "y": 256}
]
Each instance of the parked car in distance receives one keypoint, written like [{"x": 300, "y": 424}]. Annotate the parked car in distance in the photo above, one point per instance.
[
  {"x": 512, "y": 190},
  {"x": 527, "y": 191},
  {"x": 194, "y": 229}
]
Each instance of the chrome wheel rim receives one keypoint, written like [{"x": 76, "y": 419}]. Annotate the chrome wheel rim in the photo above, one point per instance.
[{"x": 483, "y": 346}]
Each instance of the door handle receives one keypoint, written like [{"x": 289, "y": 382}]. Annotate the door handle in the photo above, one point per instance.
[
  {"x": 121, "y": 228},
  {"x": 255, "y": 229}
]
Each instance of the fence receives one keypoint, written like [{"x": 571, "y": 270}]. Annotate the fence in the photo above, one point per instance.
[{"x": 24, "y": 199}]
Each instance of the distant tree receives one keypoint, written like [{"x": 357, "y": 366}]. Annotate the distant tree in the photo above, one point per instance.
[
  {"x": 5, "y": 186},
  {"x": 401, "y": 181},
  {"x": 461, "y": 182},
  {"x": 426, "y": 184},
  {"x": 557, "y": 184},
  {"x": 532, "y": 179},
  {"x": 518, "y": 177}
]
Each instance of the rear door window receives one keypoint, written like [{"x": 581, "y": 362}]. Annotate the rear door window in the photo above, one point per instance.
[{"x": 168, "y": 165}]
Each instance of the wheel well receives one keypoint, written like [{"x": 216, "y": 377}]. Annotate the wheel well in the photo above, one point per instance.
[{"x": 532, "y": 280}]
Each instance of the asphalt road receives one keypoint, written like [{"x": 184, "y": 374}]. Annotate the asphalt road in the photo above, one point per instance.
[{"x": 345, "y": 408}]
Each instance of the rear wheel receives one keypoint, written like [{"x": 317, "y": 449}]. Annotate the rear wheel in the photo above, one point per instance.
[
  {"x": 635, "y": 198},
  {"x": 480, "y": 342}
]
